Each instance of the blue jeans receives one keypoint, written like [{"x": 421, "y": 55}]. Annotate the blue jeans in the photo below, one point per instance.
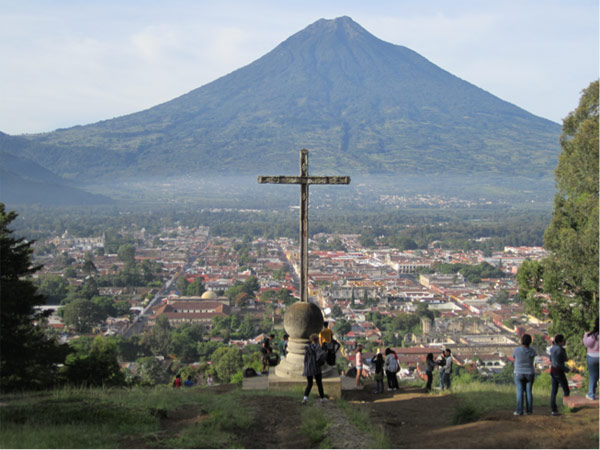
[
  {"x": 592, "y": 363},
  {"x": 558, "y": 379},
  {"x": 524, "y": 383},
  {"x": 445, "y": 380}
]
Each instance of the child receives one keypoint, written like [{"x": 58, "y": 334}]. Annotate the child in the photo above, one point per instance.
[
  {"x": 378, "y": 361},
  {"x": 177, "y": 382},
  {"x": 558, "y": 358}
]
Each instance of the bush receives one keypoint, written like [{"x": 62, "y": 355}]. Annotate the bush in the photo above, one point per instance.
[{"x": 466, "y": 414}]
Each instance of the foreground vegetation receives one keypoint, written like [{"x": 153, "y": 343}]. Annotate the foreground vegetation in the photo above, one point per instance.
[{"x": 117, "y": 418}]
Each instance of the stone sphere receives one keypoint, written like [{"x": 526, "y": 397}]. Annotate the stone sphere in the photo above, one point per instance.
[{"x": 303, "y": 319}]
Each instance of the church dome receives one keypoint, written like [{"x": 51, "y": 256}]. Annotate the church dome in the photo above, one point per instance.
[{"x": 209, "y": 295}]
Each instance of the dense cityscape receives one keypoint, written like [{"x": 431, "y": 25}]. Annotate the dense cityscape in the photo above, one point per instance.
[{"x": 415, "y": 301}]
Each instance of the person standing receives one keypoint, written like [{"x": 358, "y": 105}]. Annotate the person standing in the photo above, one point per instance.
[
  {"x": 189, "y": 382},
  {"x": 313, "y": 356},
  {"x": 391, "y": 369},
  {"x": 325, "y": 336},
  {"x": 266, "y": 351},
  {"x": 558, "y": 359},
  {"x": 441, "y": 362},
  {"x": 590, "y": 340},
  {"x": 429, "y": 366},
  {"x": 358, "y": 362},
  {"x": 379, "y": 363},
  {"x": 283, "y": 345},
  {"x": 177, "y": 382},
  {"x": 447, "y": 369},
  {"x": 524, "y": 374}
]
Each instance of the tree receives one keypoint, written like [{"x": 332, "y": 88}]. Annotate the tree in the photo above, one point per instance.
[
  {"x": 184, "y": 340},
  {"x": 570, "y": 273},
  {"x": 336, "y": 311},
  {"x": 247, "y": 329},
  {"x": 28, "y": 359},
  {"x": 54, "y": 288},
  {"x": 501, "y": 297},
  {"x": 226, "y": 361},
  {"x": 251, "y": 285},
  {"x": 83, "y": 315},
  {"x": 181, "y": 285},
  {"x": 196, "y": 288},
  {"x": 126, "y": 253},
  {"x": 89, "y": 267},
  {"x": 98, "y": 367},
  {"x": 158, "y": 338},
  {"x": 342, "y": 327},
  {"x": 152, "y": 371}
]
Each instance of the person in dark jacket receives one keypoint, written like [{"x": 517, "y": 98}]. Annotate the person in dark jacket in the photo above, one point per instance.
[
  {"x": 378, "y": 362},
  {"x": 391, "y": 369},
  {"x": 313, "y": 355},
  {"x": 429, "y": 366},
  {"x": 558, "y": 369}
]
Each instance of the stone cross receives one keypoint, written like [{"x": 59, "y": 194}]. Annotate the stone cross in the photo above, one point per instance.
[{"x": 304, "y": 181}]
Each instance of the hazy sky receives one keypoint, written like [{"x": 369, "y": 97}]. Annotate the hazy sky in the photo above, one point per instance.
[{"x": 68, "y": 62}]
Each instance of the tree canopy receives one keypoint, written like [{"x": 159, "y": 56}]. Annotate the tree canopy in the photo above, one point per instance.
[{"x": 569, "y": 276}]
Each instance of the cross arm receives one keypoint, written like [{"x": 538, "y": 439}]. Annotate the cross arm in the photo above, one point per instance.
[{"x": 303, "y": 180}]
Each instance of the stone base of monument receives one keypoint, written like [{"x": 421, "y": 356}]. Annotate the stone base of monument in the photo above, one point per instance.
[{"x": 332, "y": 383}]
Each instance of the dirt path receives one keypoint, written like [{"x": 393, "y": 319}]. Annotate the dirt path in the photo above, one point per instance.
[
  {"x": 409, "y": 418},
  {"x": 413, "y": 419}
]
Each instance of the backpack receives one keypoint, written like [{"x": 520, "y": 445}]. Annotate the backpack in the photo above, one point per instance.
[
  {"x": 320, "y": 355},
  {"x": 393, "y": 367},
  {"x": 249, "y": 372}
]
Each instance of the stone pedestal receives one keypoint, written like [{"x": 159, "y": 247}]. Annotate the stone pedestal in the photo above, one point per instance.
[
  {"x": 300, "y": 321},
  {"x": 293, "y": 363}
]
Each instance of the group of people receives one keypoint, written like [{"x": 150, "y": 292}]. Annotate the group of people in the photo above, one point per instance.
[
  {"x": 524, "y": 373},
  {"x": 177, "y": 383},
  {"x": 444, "y": 363},
  {"x": 321, "y": 350},
  {"x": 268, "y": 356},
  {"x": 391, "y": 367}
]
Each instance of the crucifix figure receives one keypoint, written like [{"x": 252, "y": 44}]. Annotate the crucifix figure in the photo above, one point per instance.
[{"x": 304, "y": 180}]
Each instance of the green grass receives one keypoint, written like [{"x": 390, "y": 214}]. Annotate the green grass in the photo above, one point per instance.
[
  {"x": 361, "y": 420},
  {"x": 101, "y": 418},
  {"x": 315, "y": 426},
  {"x": 478, "y": 398}
]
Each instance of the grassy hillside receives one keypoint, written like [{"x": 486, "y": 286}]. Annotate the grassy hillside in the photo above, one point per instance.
[{"x": 227, "y": 417}]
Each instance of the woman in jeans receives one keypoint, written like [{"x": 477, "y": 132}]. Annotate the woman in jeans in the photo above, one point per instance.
[
  {"x": 524, "y": 374},
  {"x": 590, "y": 340}
]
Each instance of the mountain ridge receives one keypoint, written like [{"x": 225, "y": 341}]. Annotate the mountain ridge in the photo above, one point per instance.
[{"x": 360, "y": 104}]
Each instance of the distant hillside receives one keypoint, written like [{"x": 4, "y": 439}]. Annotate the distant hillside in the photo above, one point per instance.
[
  {"x": 22, "y": 181},
  {"x": 361, "y": 105}
]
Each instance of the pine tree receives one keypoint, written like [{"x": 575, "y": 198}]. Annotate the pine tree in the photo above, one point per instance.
[{"x": 28, "y": 359}]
